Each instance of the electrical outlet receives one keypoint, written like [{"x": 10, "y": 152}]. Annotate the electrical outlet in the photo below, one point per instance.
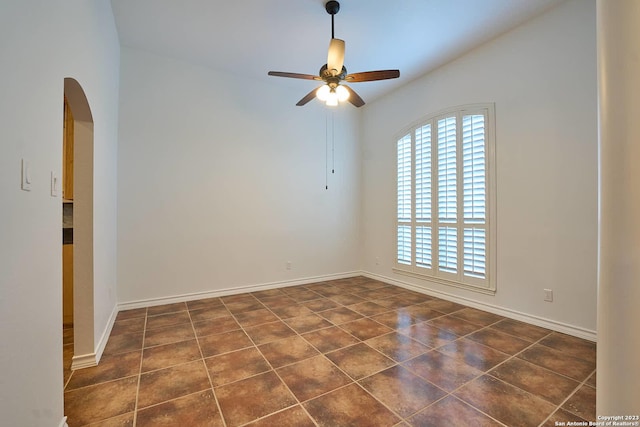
[
  {"x": 548, "y": 295},
  {"x": 288, "y": 265}
]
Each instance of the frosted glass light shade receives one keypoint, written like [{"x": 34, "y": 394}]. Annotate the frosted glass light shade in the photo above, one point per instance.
[
  {"x": 323, "y": 92},
  {"x": 343, "y": 93}
]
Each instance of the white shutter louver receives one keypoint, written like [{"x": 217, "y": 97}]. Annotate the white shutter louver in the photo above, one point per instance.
[
  {"x": 447, "y": 191},
  {"x": 404, "y": 247}
]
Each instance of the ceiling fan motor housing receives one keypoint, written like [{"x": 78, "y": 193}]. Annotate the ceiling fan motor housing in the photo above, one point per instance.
[{"x": 332, "y": 7}]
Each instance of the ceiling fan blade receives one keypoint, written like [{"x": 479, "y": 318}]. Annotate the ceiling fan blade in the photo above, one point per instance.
[
  {"x": 335, "y": 57},
  {"x": 354, "y": 98},
  {"x": 369, "y": 76},
  {"x": 293, "y": 75},
  {"x": 308, "y": 97}
]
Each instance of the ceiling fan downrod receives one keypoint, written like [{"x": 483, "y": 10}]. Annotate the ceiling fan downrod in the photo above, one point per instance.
[{"x": 332, "y": 7}]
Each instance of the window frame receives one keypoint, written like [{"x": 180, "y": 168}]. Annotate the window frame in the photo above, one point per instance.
[{"x": 485, "y": 285}]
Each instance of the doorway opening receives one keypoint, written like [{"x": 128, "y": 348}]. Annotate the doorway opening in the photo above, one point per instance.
[{"x": 77, "y": 220}]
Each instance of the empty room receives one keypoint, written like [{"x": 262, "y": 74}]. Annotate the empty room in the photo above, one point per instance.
[{"x": 319, "y": 213}]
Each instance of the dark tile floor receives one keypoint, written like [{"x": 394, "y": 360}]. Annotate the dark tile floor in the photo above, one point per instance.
[{"x": 350, "y": 352}]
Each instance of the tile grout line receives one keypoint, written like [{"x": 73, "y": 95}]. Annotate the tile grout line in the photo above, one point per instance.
[
  {"x": 144, "y": 333},
  {"x": 213, "y": 392}
]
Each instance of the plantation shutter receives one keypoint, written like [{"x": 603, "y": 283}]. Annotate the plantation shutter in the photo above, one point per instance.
[{"x": 444, "y": 230}]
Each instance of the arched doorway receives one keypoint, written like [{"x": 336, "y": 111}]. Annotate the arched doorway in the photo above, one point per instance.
[{"x": 82, "y": 201}]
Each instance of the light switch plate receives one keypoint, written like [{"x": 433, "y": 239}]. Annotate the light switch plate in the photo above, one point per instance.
[
  {"x": 26, "y": 175},
  {"x": 54, "y": 184}
]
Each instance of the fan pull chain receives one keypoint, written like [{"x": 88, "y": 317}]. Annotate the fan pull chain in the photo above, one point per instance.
[
  {"x": 326, "y": 151},
  {"x": 333, "y": 143}
]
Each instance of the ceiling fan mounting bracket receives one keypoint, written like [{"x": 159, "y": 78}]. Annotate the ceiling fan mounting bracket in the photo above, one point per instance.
[{"x": 332, "y": 7}]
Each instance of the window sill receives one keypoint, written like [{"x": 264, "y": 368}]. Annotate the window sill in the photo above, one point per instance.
[{"x": 474, "y": 288}]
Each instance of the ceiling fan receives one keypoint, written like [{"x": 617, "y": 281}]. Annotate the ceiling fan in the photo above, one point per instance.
[{"x": 333, "y": 73}]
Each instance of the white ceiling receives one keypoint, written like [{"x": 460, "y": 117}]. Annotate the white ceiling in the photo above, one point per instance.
[{"x": 251, "y": 37}]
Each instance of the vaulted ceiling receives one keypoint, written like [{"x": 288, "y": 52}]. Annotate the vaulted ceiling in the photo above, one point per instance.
[{"x": 251, "y": 37}]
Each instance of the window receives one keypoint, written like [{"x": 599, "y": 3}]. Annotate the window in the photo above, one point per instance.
[{"x": 446, "y": 199}]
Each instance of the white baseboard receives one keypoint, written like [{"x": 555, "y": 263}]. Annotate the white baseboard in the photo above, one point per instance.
[
  {"x": 92, "y": 359},
  {"x": 506, "y": 312},
  {"x": 232, "y": 291},
  {"x": 63, "y": 423}
]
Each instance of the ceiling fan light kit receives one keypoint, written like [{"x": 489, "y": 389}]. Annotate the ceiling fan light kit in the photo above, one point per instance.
[{"x": 333, "y": 73}]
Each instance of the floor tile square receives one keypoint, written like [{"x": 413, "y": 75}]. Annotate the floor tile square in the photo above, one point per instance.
[
  {"x": 240, "y": 306},
  {"x": 505, "y": 403},
  {"x": 454, "y": 412},
  {"x": 479, "y": 317},
  {"x": 453, "y": 324},
  {"x": 236, "y": 365},
  {"x": 535, "y": 380},
  {"x": 300, "y": 294},
  {"x": 130, "y": 314},
  {"x": 558, "y": 361},
  {"x": 194, "y": 410},
  {"x": 347, "y": 407},
  {"x": 562, "y": 417},
  {"x": 365, "y": 329},
  {"x": 312, "y": 377},
  {"x": 209, "y": 313},
  {"x": 422, "y": 312},
  {"x": 212, "y": 345},
  {"x": 171, "y": 383},
  {"x": 303, "y": 324},
  {"x": 499, "y": 340},
  {"x": 576, "y": 347},
  {"x": 166, "y": 308},
  {"x": 330, "y": 339},
  {"x": 368, "y": 308},
  {"x": 340, "y": 315},
  {"x": 474, "y": 354},
  {"x": 322, "y": 304},
  {"x": 347, "y": 299},
  {"x": 444, "y": 371},
  {"x": 252, "y": 398},
  {"x": 397, "y": 346},
  {"x": 395, "y": 319},
  {"x": 128, "y": 326},
  {"x": 521, "y": 330},
  {"x": 200, "y": 304},
  {"x": 269, "y": 332},
  {"x": 289, "y": 311},
  {"x": 124, "y": 343},
  {"x": 170, "y": 319},
  {"x": 255, "y": 317},
  {"x": 428, "y": 334},
  {"x": 402, "y": 391},
  {"x": 99, "y": 402},
  {"x": 583, "y": 403},
  {"x": 111, "y": 367},
  {"x": 359, "y": 360},
  {"x": 215, "y": 326},
  {"x": 444, "y": 306},
  {"x": 124, "y": 420},
  {"x": 167, "y": 355},
  {"x": 287, "y": 350},
  {"x": 291, "y": 417},
  {"x": 168, "y": 335}
]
